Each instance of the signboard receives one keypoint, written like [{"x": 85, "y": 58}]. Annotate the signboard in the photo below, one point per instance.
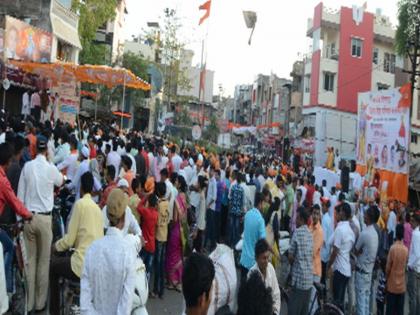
[
  {"x": 383, "y": 129},
  {"x": 196, "y": 132},
  {"x": 67, "y": 104},
  {"x": 25, "y": 42}
]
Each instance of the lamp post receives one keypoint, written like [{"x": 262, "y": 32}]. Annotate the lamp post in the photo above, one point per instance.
[{"x": 250, "y": 21}]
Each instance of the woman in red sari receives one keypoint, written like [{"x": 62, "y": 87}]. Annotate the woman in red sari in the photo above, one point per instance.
[{"x": 177, "y": 237}]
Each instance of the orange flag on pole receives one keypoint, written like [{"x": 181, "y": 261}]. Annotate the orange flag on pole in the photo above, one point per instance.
[{"x": 205, "y": 6}]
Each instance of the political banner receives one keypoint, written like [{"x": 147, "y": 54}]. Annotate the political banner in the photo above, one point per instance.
[
  {"x": 25, "y": 42},
  {"x": 383, "y": 129}
]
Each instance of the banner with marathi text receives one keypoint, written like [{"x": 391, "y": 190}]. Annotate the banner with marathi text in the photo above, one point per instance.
[
  {"x": 383, "y": 138},
  {"x": 383, "y": 130}
]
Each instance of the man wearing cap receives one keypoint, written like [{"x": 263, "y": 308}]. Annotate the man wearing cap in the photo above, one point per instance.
[
  {"x": 107, "y": 283},
  {"x": 36, "y": 190},
  {"x": 131, "y": 226}
]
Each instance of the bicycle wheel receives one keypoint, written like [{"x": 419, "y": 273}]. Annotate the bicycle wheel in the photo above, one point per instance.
[
  {"x": 328, "y": 309},
  {"x": 20, "y": 296}
]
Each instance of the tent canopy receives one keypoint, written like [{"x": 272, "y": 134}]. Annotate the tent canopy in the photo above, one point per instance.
[{"x": 84, "y": 73}]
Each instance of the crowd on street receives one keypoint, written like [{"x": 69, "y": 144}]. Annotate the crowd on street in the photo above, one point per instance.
[{"x": 141, "y": 195}]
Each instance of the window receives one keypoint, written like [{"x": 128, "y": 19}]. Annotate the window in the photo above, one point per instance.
[
  {"x": 307, "y": 83},
  {"x": 356, "y": 47},
  {"x": 375, "y": 55},
  {"x": 382, "y": 86},
  {"x": 329, "y": 81},
  {"x": 389, "y": 62}
]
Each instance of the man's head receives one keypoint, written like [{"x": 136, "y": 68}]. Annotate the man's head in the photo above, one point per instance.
[
  {"x": 110, "y": 173},
  {"x": 316, "y": 214},
  {"x": 343, "y": 212},
  {"x": 164, "y": 174},
  {"x": 324, "y": 183},
  {"x": 217, "y": 174},
  {"x": 19, "y": 145},
  {"x": 262, "y": 254},
  {"x": 371, "y": 215},
  {"x": 415, "y": 219},
  {"x": 259, "y": 198},
  {"x": 41, "y": 145},
  {"x": 126, "y": 163},
  {"x": 116, "y": 204},
  {"x": 160, "y": 189},
  {"x": 6, "y": 153},
  {"x": 123, "y": 185},
  {"x": 197, "y": 282},
  {"x": 302, "y": 216},
  {"x": 299, "y": 194},
  {"x": 86, "y": 183},
  {"x": 399, "y": 232},
  {"x": 73, "y": 143}
]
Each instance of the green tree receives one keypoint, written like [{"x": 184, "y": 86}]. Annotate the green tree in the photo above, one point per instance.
[
  {"x": 171, "y": 46},
  {"x": 212, "y": 130},
  {"x": 408, "y": 18},
  {"x": 93, "y": 14}
]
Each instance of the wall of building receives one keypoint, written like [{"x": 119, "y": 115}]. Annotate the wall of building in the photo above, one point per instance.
[
  {"x": 350, "y": 80},
  {"x": 378, "y": 73},
  {"x": 140, "y": 48}
]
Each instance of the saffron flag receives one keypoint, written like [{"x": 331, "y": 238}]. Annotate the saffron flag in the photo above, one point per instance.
[{"x": 205, "y": 6}]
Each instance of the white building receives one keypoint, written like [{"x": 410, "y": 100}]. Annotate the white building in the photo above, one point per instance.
[
  {"x": 352, "y": 52},
  {"x": 193, "y": 74}
]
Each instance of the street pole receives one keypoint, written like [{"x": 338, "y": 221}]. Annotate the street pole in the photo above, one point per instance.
[
  {"x": 123, "y": 101},
  {"x": 96, "y": 102}
]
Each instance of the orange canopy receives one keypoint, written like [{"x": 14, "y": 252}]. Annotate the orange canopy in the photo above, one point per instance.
[{"x": 84, "y": 73}]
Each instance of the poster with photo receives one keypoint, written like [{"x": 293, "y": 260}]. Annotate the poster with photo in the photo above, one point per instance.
[
  {"x": 383, "y": 129},
  {"x": 25, "y": 42}
]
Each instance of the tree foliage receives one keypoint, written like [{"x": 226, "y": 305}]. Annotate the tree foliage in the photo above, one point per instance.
[
  {"x": 93, "y": 14},
  {"x": 212, "y": 130},
  {"x": 408, "y": 18},
  {"x": 171, "y": 46}
]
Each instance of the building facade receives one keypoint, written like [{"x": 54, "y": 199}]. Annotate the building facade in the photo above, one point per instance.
[
  {"x": 53, "y": 16},
  {"x": 352, "y": 52}
]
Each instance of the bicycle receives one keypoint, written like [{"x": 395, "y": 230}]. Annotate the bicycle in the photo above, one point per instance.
[
  {"x": 19, "y": 302},
  {"x": 324, "y": 307}
]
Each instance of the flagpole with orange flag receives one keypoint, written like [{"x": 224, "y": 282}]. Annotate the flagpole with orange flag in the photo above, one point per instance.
[{"x": 206, "y": 6}]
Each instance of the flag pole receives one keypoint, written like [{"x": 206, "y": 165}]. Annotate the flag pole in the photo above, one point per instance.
[
  {"x": 201, "y": 110},
  {"x": 203, "y": 72}
]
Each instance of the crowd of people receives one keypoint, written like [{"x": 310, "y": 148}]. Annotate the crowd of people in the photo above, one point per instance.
[{"x": 172, "y": 204}]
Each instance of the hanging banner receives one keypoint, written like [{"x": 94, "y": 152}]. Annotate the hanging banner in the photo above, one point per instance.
[
  {"x": 383, "y": 129},
  {"x": 67, "y": 104},
  {"x": 25, "y": 42}
]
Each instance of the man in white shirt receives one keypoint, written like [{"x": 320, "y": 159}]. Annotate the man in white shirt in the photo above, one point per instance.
[
  {"x": 71, "y": 162},
  {"x": 36, "y": 190},
  {"x": 175, "y": 159},
  {"x": 267, "y": 272},
  {"x": 107, "y": 282},
  {"x": 63, "y": 149},
  {"x": 83, "y": 168},
  {"x": 114, "y": 159},
  {"x": 343, "y": 241},
  {"x": 212, "y": 225},
  {"x": 26, "y": 105},
  {"x": 413, "y": 283}
]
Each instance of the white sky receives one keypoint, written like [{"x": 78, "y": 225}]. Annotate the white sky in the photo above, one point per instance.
[{"x": 279, "y": 38}]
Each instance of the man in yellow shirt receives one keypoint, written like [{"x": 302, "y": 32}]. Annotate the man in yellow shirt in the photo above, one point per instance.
[{"x": 86, "y": 225}]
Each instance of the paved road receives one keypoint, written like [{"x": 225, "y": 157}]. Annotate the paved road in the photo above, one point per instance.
[{"x": 172, "y": 303}]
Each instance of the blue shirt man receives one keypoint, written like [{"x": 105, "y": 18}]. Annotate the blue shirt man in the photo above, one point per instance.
[{"x": 254, "y": 230}]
